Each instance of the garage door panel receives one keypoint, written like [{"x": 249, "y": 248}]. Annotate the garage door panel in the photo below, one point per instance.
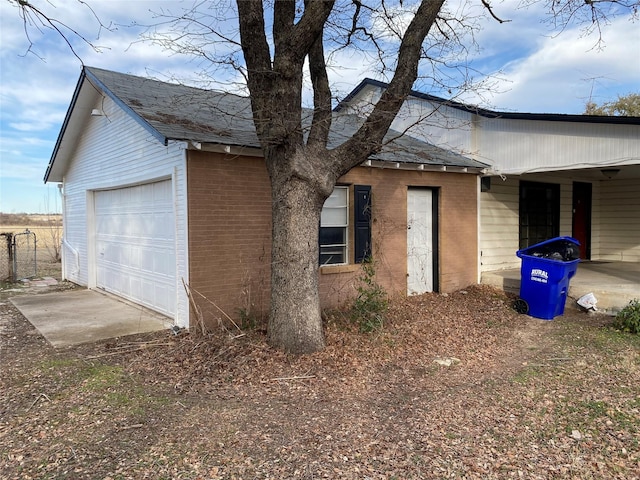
[{"x": 135, "y": 244}]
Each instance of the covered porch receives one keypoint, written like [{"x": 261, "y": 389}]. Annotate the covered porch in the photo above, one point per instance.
[{"x": 614, "y": 284}]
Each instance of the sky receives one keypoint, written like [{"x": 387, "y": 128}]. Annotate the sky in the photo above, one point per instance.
[{"x": 525, "y": 66}]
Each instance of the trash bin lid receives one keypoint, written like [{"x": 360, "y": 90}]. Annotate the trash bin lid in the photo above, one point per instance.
[{"x": 545, "y": 249}]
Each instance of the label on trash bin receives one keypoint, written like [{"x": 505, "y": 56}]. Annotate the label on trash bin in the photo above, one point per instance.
[{"x": 539, "y": 275}]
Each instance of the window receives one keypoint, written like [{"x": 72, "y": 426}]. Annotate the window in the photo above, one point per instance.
[
  {"x": 334, "y": 222},
  {"x": 335, "y": 226},
  {"x": 539, "y": 212}
]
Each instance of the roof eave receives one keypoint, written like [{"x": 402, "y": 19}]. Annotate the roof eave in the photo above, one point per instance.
[
  {"x": 63, "y": 129},
  {"x": 229, "y": 149},
  {"x": 424, "y": 167},
  {"x": 55, "y": 169}
]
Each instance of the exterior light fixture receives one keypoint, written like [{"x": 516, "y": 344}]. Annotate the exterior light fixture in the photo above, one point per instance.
[{"x": 610, "y": 172}]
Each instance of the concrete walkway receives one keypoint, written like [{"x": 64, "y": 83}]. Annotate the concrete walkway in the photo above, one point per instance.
[
  {"x": 614, "y": 284},
  {"x": 82, "y": 316}
]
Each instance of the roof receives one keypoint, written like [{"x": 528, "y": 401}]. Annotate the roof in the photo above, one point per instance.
[
  {"x": 174, "y": 112},
  {"x": 483, "y": 112}
]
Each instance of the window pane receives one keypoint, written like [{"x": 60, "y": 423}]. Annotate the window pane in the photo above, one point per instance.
[
  {"x": 338, "y": 198},
  {"x": 333, "y": 216},
  {"x": 335, "y": 209},
  {"x": 332, "y": 236},
  {"x": 332, "y": 255}
]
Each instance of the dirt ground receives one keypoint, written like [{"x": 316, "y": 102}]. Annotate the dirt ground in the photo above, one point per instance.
[{"x": 454, "y": 386}]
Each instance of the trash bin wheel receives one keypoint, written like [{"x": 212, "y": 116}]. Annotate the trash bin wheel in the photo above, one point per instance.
[{"x": 521, "y": 306}]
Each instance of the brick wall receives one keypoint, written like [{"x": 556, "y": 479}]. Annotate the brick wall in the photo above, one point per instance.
[
  {"x": 457, "y": 231},
  {"x": 229, "y": 231}
]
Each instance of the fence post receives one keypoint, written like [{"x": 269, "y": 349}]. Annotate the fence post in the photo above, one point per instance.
[{"x": 7, "y": 250}]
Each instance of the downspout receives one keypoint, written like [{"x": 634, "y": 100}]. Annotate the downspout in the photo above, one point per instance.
[
  {"x": 76, "y": 257},
  {"x": 474, "y": 149},
  {"x": 64, "y": 236},
  {"x": 176, "y": 230}
]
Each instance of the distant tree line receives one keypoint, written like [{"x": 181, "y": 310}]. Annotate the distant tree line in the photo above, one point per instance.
[
  {"x": 625, "y": 106},
  {"x": 35, "y": 220}
]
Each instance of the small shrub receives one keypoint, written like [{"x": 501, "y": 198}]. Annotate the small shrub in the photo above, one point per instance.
[
  {"x": 371, "y": 303},
  {"x": 628, "y": 319},
  {"x": 249, "y": 320}
]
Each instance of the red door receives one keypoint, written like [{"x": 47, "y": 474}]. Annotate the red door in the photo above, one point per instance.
[{"x": 582, "y": 217}]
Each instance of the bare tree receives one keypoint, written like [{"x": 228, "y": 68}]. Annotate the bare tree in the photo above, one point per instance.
[
  {"x": 52, "y": 238},
  {"x": 303, "y": 171}
]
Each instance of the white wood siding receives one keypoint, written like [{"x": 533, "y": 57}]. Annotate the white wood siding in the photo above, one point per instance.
[
  {"x": 500, "y": 219},
  {"x": 619, "y": 221},
  {"x": 446, "y": 127},
  {"x": 512, "y": 146},
  {"x": 115, "y": 151},
  {"x": 527, "y": 146},
  {"x": 596, "y": 228}
]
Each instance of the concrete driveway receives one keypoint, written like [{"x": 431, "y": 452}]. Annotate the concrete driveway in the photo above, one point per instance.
[{"x": 83, "y": 316}]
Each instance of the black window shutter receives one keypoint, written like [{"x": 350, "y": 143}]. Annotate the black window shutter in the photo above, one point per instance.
[{"x": 362, "y": 222}]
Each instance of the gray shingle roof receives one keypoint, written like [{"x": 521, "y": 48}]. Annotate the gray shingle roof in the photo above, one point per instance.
[{"x": 179, "y": 112}]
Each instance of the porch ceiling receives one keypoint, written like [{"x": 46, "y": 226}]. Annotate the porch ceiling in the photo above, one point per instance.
[{"x": 624, "y": 172}]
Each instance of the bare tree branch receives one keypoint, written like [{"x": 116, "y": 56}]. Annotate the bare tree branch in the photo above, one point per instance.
[
  {"x": 491, "y": 12},
  {"x": 364, "y": 142},
  {"x": 321, "y": 122},
  {"x": 34, "y": 17}
]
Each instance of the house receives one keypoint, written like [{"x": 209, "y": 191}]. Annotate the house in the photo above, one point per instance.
[
  {"x": 165, "y": 186},
  {"x": 550, "y": 174}
]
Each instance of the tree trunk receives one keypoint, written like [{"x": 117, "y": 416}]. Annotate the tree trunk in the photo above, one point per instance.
[
  {"x": 295, "y": 323},
  {"x": 303, "y": 172}
]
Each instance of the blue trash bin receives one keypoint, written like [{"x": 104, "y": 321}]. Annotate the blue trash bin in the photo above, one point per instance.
[{"x": 546, "y": 270}]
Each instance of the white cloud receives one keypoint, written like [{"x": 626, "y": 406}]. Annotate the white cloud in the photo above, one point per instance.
[{"x": 560, "y": 72}]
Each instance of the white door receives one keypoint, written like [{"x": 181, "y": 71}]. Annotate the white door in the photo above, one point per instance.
[
  {"x": 135, "y": 244},
  {"x": 419, "y": 241}
]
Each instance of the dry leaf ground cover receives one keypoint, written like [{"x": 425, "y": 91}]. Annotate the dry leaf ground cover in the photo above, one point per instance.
[{"x": 522, "y": 398}]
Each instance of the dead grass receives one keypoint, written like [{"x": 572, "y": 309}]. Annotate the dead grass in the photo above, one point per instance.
[
  {"x": 47, "y": 237},
  {"x": 527, "y": 399}
]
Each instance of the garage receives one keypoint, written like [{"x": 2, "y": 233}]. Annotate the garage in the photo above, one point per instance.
[{"x": 135, "y": 244}]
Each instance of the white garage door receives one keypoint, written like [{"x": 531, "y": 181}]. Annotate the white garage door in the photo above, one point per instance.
[{"x": 135, "y": 244}]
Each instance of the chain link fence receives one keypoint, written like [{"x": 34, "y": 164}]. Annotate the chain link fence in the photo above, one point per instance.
[
  {"x": 18, "y": 258},
  {"x": 6, "y": 257}
]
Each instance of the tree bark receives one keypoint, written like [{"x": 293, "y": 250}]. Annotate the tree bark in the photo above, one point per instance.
[{"x": 295, "y": 322}]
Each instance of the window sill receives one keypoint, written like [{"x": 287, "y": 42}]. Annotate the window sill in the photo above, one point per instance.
[{"x": 333, "y": 269}]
